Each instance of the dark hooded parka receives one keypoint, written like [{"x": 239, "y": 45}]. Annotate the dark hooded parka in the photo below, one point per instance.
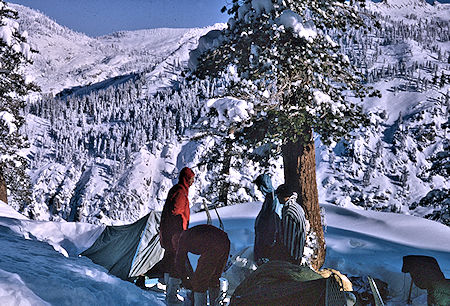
[
  {"x": 175, "y": 217},
  {"x": 268, "y": 231}
]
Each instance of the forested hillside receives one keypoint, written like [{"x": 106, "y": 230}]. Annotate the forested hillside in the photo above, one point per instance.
[
  {"x": 400, "y": 162},
  {"x": 109, "y": 146}
]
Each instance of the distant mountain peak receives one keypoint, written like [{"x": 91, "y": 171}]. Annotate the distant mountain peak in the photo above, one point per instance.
[{"x": 404, "y": 3}]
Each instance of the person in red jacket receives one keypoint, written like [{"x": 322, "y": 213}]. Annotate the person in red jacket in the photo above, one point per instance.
[
  {"x": 213, "y": 246},
  {"x": 174, "y": 220}
]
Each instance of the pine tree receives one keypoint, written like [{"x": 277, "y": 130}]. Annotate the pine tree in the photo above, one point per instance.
[
  {"x": 279, "y": 55},
  {"x": 14, "y": 52}
]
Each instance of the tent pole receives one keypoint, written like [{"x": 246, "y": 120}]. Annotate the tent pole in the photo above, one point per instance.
[
  {"x": 208, "y": 215},
  {"x": 220, "y": 220},
  {"x": 409, "y": 295}
]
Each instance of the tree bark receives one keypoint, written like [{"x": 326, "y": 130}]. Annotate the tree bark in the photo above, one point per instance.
[
  {"x": 300, "y": 175},
  {"x": 3, "y": 190}
]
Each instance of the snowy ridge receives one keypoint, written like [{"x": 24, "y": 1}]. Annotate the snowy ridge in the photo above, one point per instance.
[
  {"x": 405, "y": 9},
  {"x": 67, "y": 58},
  {"x": 404, "y": 3}
]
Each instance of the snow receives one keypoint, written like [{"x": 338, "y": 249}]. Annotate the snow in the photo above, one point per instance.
[
  {"x": 262, "y": 6},
  {"x": 398, "y": 9},
  {"x": 6, "y": 34},
  {"x": 33, "y": 272},
  {"x": 8, "y": 29},
  {"x": 243, "y": 10},
  {"x": 206, "y": 42},
  {"x": 230, "y": 109},
  {"x": 8, "y": 119},
  {"x": 295, "y": 22},
  {"x": 69, "y": 59},
  {"x": 57, "y": 234},
  {"x": 359, "y": 243},
  {"x": 8, "y": 211},
  {"x": 320, "y": 97},
  {"x": 404, "y": 3}
]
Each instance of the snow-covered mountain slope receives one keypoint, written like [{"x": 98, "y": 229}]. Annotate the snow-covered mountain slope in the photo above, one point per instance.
[
  {"x": 110, "y": 151},
  {"x": 68, "y": 59},
  {"x": 400, "y": 162}
]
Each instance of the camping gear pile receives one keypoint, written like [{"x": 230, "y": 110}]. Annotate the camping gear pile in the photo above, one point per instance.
[{"x": 283, "y": 283}]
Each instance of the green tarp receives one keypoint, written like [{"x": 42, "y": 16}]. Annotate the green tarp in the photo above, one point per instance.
[
  {"x": 128, "y": 251},
  {"x": 281, "y": 283}
]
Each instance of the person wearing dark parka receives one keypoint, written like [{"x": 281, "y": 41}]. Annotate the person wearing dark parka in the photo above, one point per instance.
[
  {"x": 268, "y": 231},
  {"x": 174, "y": 220},
  {"x": 213, "y": 246}
]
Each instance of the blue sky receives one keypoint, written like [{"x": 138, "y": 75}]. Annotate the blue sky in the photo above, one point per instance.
[{"x": 99, "y": 17}]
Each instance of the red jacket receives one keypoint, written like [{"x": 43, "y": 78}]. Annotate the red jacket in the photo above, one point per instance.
[{"x": 176, "y": 211}]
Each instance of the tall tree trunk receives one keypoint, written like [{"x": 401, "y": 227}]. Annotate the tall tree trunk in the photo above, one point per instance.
[
  {"x": 3, "y": 190},
  {"x": 300, "y": 175}
]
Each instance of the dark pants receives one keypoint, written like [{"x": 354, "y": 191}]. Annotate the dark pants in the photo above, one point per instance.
[
  {"x": 210, "y": 267},
  {"x": 169, "y": 256},
  {"x": 169, "y": 263}
]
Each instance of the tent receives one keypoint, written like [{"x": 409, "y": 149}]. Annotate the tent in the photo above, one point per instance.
[{"x": 128, "y": 251}]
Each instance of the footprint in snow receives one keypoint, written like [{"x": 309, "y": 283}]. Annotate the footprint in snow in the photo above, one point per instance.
[{"x": 356, "y": 243}]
